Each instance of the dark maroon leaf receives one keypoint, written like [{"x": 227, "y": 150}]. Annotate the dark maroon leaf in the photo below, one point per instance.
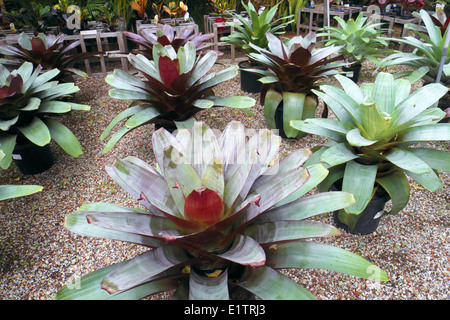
[
  {"x": 164, "y": 40},
  {"x": 15, "y": 85},
  {"x": 4, "y": 92},
  {"x": 179, "y": 85},
  {"x": 168, "y": 69},
  {"x": 300, "y": 56},
  {"x": 37, "y": 44}
]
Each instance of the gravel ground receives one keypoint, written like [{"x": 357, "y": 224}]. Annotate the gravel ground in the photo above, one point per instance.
[{"x": 38, "y": 256}]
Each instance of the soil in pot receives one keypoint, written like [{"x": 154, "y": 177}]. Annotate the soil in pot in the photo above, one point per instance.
[
  {"x": 369, "y": 219},
  {"x": 353, "y": 72},
  {"x": 32, "y": 159},
  {"x": 249, "y": 80}
]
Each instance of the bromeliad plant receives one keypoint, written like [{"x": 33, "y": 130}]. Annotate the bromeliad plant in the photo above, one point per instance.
[
  {"x": 28, "y": 102},
  {"x": 178, "y": 84},
  {"x": 218, "y": 215},
  {"x": 427, "y": 52},
  {"x": 294, "y": 69},
  {"x": 48, "y": 51},
  {"x": 373, "y": 137},
  {"x": 165, "y": 35},
  {"x": 254, "y": 31},
  {"x": 359, "y": 39}
]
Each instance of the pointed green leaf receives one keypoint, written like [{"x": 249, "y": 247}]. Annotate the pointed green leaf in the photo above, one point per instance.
[
  {"x": 204, "y": 147},
  {"x": 407, "y": 161},
  {"x": 128, "y": 94},
  {"x": 272, "y": 100},
  {"x": 7, "y": 144},
  {"x": 384, "y": 92},
  {"x": 417, "y": 102},
  {"x": 204, "y": 288},
  {"x": 143, "y": 267},
  {"x": 310, "y": 206},
  {"x": 337, "y": 154},
  {"x": 138, "y": 178},
  {"x": 359, "y": 180},
  {"x": 180, "y": 176},
  {"x": 132, "y": 222},
  {"x": 203, "y": 66},
  {"x": 245, "y": 251},
  {"x": 213, "y": 177},
  {"x": 12, "y": 191},
  {"x": 141, "y": 117},
  {"x": 355, "y": 139},
  {"x": 281, "y": 231},
  {"x": 436, "y": 159},
  {"x": 64, "y": 137},
  {"x": 317, "y": 128},
  {"x": 54, "y": 107},
  {"x": 269, "y": 284},
  {"x": 240, "y": 102},
  {"x": 345, "y": 101},
  {"x": 6, "y": 124},
  {"x": 36, "y": 131},
  {"x": 231, "y": 142},
  {"x": 115, "y": 138},
  {"x": 397, "y": 186},
  {"x": 373, "y": 122},
  {"x": 293, "y": 104},
  {"x": 32, "y": 104},
  {"x": 87, "y": 287},
  {"x": 351, "y": 88},
  {"x": 275, "y": 188},
  {"x": 305, "y": 255},
  {"x": 431, "y": 180},
  {"x": 436, "y": 132},
  {"x": 77, "y": 222},
  {"x": 122, "y": 115}
]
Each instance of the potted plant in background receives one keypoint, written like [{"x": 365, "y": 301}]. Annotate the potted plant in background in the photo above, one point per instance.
[
  {"x": 427, "y": 54},
  {"x": 176, "y": 10},
  {"x": 29, "y": 101},
  {"x": 371, "y": 148},
  {"x": 165, "y": 35},
  {"x": 221, "y": 8},
  {"x": 140, "y": 6},
  {"x": 405, "y": 4},
  {"x": 360, "y": 41},
  {"x": 294, "y": 69},
  {"x": 48, "y": 51},
  {"x": 253, "y": 32},
  {"x": 177, "y": 85},
  {"x": 217, "y": 216}
]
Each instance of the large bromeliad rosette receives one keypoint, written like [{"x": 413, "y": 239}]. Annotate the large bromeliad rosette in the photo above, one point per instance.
[{"x": 220, "y": 211}]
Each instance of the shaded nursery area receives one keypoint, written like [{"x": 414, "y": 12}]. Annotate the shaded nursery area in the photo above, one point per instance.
[{"x": 224, "y": 150}]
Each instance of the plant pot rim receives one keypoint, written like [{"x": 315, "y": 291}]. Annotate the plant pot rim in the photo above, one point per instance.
[{"x": 247, "y": 64}]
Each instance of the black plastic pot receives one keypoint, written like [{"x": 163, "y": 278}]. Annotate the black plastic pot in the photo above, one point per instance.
[
  {"x": 249, "y": 80},
  {"x": 354, "y": 72},
  {"x": 443, "y": 105},
  {"x": 370, "y": 218},
  {"x": 32, "y": 159},
  {"x": 279, "y": 120}
]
